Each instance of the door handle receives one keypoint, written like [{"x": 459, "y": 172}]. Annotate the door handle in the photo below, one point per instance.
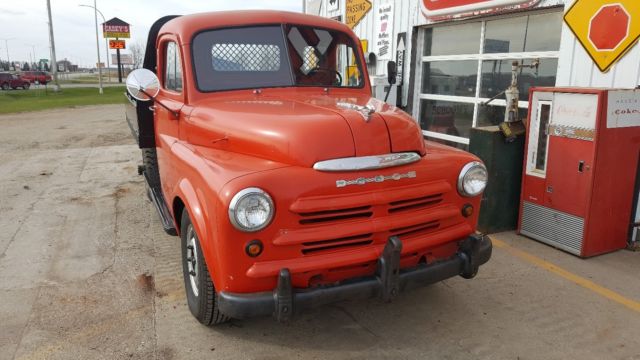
[{"x": 581, "y": 166}]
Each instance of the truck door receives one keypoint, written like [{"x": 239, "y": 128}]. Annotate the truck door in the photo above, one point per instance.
[{"x": 166, "y": 123}]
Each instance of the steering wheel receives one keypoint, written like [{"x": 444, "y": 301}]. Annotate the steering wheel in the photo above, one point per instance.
[{"x": 338, "y": 76}]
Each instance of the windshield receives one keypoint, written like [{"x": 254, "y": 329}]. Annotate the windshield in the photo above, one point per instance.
[{"x": 275, "y": 56}]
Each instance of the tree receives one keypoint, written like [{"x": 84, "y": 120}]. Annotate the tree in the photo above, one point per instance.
[
  {"x": 137, "y": 54},
  {"x": 46, "y": 67},
  {"x": 26, "y": 67}
]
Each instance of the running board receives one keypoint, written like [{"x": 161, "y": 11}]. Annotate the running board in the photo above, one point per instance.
[{"x": 156, "y": 197}]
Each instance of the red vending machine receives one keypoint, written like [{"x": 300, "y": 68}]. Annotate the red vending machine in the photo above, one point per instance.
[{"x": 580, "y": 176}]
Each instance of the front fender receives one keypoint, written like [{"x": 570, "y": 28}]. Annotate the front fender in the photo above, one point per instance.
[
  {"x": 202, "y": 217},
  {"x": 194, "y": 202}
]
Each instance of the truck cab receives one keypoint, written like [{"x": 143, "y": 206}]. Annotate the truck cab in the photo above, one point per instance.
[{"x": 288, "y": 184}]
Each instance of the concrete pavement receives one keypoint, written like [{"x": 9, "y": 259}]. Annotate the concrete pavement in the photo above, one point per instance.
[{"x": 87, "y": 273}]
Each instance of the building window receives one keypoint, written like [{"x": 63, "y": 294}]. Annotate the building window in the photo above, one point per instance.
[{"x": 464, "y": 65}]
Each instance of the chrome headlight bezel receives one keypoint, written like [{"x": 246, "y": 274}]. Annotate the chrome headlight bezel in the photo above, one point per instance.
[
  {"x": 236, "y": 202},
  {"x": 462, "y": 178}
]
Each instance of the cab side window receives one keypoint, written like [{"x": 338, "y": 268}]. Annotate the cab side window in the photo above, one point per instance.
[{"x": 173, "y": 68}]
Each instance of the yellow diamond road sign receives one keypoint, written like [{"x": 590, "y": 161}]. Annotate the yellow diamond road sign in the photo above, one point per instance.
[
  {"x": 607, "y": 29},
  {"x": 355, "y": 11}
]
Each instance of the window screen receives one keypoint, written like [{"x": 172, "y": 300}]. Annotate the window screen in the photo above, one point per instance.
[
  {"x": 241, "y": 58},
  {"x": 245, "y": 57}
]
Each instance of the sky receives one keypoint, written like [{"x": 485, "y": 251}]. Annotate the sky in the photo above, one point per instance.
[{"x": 24, "y": 23}]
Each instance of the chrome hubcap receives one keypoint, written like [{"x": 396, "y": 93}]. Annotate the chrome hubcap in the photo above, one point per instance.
[{"x": 192, "y": 256}]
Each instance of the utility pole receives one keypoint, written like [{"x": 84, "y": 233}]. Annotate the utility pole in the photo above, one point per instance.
[
  {"x": 95, "y": 16},
  {"x": 52, "y": 44},
  {"x": 6, "y": 45},
  {"x": 32, "y": 55},
  {"x": 106, "y": 42}
]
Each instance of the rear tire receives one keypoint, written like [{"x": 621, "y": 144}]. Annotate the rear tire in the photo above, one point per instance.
[{"x": 201, "y": 292}]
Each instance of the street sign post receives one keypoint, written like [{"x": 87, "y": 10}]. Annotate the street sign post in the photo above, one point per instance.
[
  {"x": 116, "y": 28},
  {"x": 607, "y": 29}
]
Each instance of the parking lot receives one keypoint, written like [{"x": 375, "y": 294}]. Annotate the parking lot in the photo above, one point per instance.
[{"x": 86, "y": 272}]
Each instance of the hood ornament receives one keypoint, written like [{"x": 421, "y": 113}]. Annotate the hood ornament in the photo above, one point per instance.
[
  {"x": 365, "y": 111},
  {"x": 361, "y": 163}
]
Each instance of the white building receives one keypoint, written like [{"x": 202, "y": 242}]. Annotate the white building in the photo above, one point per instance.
[{"x": 457, "y": 57}]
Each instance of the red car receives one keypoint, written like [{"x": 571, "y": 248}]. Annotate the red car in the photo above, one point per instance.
[
  {"x": 39, "y": 77},
  {"x": 10, "y": 81}
]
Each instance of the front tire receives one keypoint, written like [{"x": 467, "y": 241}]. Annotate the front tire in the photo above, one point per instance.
[
  {"x": 25, "y": 86},
  {"x": 201, "y": 293}
]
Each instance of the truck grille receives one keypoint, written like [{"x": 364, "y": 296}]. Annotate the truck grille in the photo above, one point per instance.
[
  {"x": 346, "y": 242},
  {"x": 335, "y": 215},
  {"x": 415, "y": 230},
  {"x": 411, "y": 204},
  {"x": 369, "y": 218}
]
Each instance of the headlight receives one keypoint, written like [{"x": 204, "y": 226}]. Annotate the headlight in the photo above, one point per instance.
[
  {"x": 473, "y": 179},
  {"x": 251, "y": 210}
]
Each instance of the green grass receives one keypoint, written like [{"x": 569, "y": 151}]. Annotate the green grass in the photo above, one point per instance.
[{"x": 33, "y": 100}]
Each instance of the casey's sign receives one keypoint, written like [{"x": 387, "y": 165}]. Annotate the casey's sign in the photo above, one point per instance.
[{"x": 461, "y": 8}]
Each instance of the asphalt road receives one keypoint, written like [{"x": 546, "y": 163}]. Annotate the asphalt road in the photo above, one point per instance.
[{"x": 87, "y": 273}]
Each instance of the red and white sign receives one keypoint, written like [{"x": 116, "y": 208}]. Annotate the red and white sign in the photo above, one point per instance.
[
  {"x": 461, "y": 8},
  {"x": 609, "y": 27}
]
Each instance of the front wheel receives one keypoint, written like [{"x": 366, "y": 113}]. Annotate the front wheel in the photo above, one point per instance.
[
  {"x": 6, "y": 86},
  {"x": 26, "y": 86},
  {"x": 201, "y": 293}
]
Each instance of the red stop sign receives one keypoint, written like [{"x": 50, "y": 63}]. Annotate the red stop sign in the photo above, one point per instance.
[{"x": 609, "y": 27}]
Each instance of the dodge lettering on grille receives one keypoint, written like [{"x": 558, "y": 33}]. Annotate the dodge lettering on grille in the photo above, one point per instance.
[{"x": 375, "y": 179}]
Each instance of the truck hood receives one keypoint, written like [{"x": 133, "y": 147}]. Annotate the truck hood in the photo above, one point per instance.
[{"x": 302, "y": 130}]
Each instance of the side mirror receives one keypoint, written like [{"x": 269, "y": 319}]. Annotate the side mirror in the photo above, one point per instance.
[
  {"x": 143, "y": 84},
  {"x": 392, "y": 72}
]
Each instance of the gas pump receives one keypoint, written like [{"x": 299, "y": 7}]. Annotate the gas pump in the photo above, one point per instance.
[{"x": 512, "y": 126}]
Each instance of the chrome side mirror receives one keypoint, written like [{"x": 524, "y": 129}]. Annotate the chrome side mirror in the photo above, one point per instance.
[{"x": 143, "y": 84}]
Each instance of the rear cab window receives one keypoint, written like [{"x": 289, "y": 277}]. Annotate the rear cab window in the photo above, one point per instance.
[{"x": 275, "y": 56}]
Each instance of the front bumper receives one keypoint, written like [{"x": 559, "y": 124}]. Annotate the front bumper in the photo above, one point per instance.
[{"x": 284, "y": 301}]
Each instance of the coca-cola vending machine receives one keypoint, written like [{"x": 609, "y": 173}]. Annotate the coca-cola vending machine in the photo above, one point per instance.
[{"x": 580, "y": 176}]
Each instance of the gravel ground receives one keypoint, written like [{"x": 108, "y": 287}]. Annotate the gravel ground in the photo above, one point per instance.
[{"x": 87, "y": 273}]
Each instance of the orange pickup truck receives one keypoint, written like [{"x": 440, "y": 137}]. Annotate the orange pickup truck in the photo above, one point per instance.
[{"x": 289, "y": 185}]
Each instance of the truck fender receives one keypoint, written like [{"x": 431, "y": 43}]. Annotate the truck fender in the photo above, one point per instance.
[{"x": 201, "y": 216}]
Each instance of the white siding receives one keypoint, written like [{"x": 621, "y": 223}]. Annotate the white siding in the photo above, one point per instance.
[
  {"x": 406, "y": 14},
  {"x": 575, "y": 67}
]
